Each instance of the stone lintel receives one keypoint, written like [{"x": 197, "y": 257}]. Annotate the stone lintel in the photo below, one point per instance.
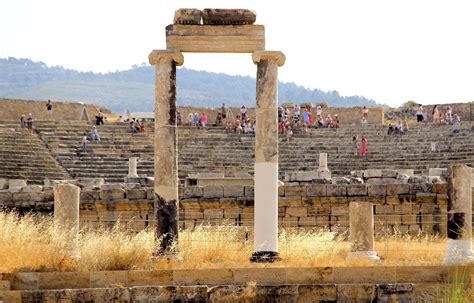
[
  {"x": 274, "y": 56},
  {"x": 158, "y": 55},
  {"x": 215, "y": 38}
]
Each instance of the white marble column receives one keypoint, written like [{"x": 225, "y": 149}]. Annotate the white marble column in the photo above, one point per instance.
[
  {"x": 132, "y": 167},
  {"x": 166, "y": 162},
  {"x": 361, "y": 231},
  {"x": 459, "y": 215},
  {"x": 266, "y": 157},
  {"x": 66, "y": 210}
]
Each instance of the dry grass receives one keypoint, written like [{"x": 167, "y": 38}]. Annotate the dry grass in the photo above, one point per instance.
[{"x": 34, "y": 243}]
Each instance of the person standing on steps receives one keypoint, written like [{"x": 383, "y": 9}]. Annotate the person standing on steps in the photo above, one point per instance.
[
  {"x": 365, "y": 113},
  {"x": 223, "y": 113},
  {"x": 84, "y": 143},
  {"x": 436, "y": 116},
  {"x": 363, "y": 146},
  {"x": 49, "y": 108},
  {"x": 23, "y": 125},
  {"x": 29, "y": 124},
  {"x": 95, "y": 134},
  {"x": 355, "y": 146},
  {"x": 203, "y": 120},
  {"x": 419, "y": 113}
]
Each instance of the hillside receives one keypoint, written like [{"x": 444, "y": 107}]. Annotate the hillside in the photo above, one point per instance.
[{"x": 134, "y": 88}]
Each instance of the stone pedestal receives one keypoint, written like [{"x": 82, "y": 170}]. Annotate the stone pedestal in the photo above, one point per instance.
[
  {"x": 166, "y": 163},
  {"x": 361, "y": 231},
  {"x": 266, "y": 157},
  {"x": 132, "y": 167},
  {"x": 459, "y": 215},
  {"x": 66, "y": 209},
  {"x": 323, "y": 171}
]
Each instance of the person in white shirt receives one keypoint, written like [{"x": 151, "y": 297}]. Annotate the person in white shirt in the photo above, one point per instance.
[{"x": 419, "y": 113}]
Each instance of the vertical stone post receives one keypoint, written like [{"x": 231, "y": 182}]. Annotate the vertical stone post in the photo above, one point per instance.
[
  {"x": 66, "y": 209},
  {"x": 132, "y": 167},
  {"x": 323, "y": 161},
  {"x": 361, "y": 231},
  {"x": 266, "y": 157},
  {"x": 166, "y": 162},
  {"x": 459, "y": 215}
]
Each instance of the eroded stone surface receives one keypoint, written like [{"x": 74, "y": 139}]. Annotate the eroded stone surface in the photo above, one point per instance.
[
  {"x": 213, "y": 16},
  {"x": 187, "y": 16}
]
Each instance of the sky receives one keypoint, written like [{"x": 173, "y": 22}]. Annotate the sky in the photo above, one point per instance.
[{"x": 389, "y": 51}]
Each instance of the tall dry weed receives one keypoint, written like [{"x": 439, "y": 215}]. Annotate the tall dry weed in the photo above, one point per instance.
[{"x": 34, "y": 243}]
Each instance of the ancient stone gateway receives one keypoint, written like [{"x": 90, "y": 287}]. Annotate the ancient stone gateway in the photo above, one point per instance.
[{"x": 225, "y": 31}]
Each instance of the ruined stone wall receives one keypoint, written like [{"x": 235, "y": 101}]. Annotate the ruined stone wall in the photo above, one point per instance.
[
  {"x": 12, "y": 109},
  {"x": 403, "y": 207},
  {"x": 347, "y": 115}
]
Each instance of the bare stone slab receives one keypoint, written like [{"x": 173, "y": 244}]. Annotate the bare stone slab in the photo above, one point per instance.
[
  {"x": 372, "y": 173},
  {"x": 187, "y": 16},
  {"x": 16, "y": 184},
  {"x": 357, "y": 190},
  {"x": 213, "y": 16},
  {"x": 215, "y": 39}
]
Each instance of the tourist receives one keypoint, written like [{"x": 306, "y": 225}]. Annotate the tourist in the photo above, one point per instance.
[
  {"x": 228, "y": 127},
  {"x": 419, "y": 113},
  {"x": 405, "y": 126},
  {"x": 178, "y": 119},
  {"x": 296, "y": 116},
  {"x": 84, "y": 143},
  {"x": 456, "y": 124},
  {"x": 131, "y": 127},
  {"x": 49, "y": 108},
  {"x": 319, "y": 112},
  {"x": 238, "y": 126},
  {"x": 280, "y": 114},
  {"x": 138, "y": 125},
  {"x": 363, "y": 146},
  {"x": 190, "y": 119},
  {"x": 286, "y": 114},
  {"x": 449, "y": 115},
  {"x": 365, "y": 113},
  {"x": 363, "y": 122},
  {"x": 29, "y": 124},
  {"x": 306, "y": 120},
  {"x": 355, "y": 146},
  {"x": 436, "y": 115},
  {"x": 23, "y": 125},
  {"x": 99, "y": 117},
  {"x": 203, "y": 120},
  {"x": 219, "y": 119},
  {"x": 288, "y": 134},
  {"x": 390, "y": 130},
  {"x": 310, "y": 122},
  {"x": 320, "y": 122},
  {"x": 335, "y": 122},
  {"x": 95, "y": 134},
  {"x": 223, "y": 112},
  {"x": 196, "y": 120},
  {"x": 248, "y": 127},
  {"x": 328, "y": 122},
  {"x": 281, "y": 127},
  {"x": 243, "y": 112},
  {"x": 398, "y": 128},
  {"x": 142, "y": 127}
]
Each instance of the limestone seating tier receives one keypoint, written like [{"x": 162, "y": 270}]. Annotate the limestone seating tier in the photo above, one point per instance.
[
  {"x": 211, "y": 150},
  {"x": 26, "y": 157}
]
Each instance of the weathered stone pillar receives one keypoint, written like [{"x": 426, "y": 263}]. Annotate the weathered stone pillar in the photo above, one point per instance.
[
  {"x": 266, "y": 156},
  {"x": 132, "y": 167},
  {"x": 323, "y": 161},
  {"x": 361, "y": 231},
  {"x": 459, "y": 214},
  {"x": 166, "y": 162},
  {"x": 66, "y": 209}
]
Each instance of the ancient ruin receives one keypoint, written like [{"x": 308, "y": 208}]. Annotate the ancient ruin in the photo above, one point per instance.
[
  {"x": 192, "y": 37},
  {"x": 196, "y": 208}
]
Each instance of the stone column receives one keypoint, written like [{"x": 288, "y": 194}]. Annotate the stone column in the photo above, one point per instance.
[
  {"x": 266, "y": 157},
  {"x": 323, "y": 171},
  {"x": 132, "y": 167},
  {"x": 323, "y": 161},
  {"x": 66, "y": 209},
  {"x": 459, "y": 215},
  {"x": 361, "y": 231},
  {"x": 166, "y": 162}
]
